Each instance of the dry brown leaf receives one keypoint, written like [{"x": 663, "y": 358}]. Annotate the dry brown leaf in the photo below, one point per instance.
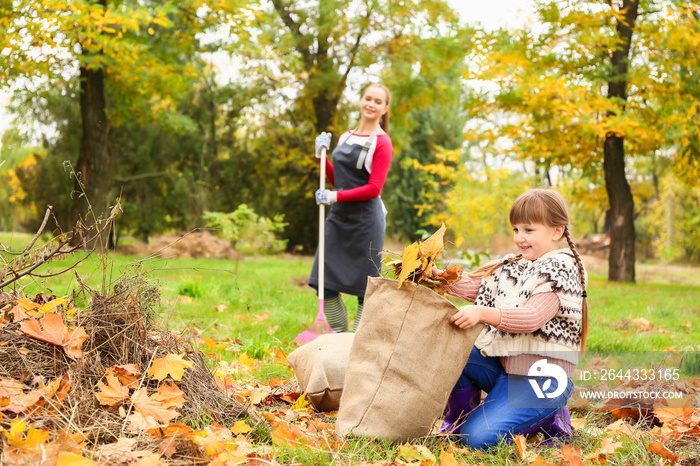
[
  {"x": 140, "y": 423},
  {"x": 433, "y": 246},
  {"x": 659, "y": 449},
  {"x": 448, "y": 459},
  {"x": 151, "y": 407},
  {"x": 10, "y": 388},
  {"x": 51, "y": 329},
  {"x": 607, "y": 447},
  {"x": 578, "y": 422},
  {"x": 168, "y": 446},
  {"x": 539, "y": 461},
  {"x": 128, "y": 374},
  {"x": 25, "y": 402},
  {"x": 525, "y": 455},
  {"x": 674, "y": 411},
  {"x": 170, "y": 395},
  {"x": 229, "y": 458},
  {"x": 172, "y": 365},
  {"x": 572, "y": 455},
  {"x": 113, "y": 392}
]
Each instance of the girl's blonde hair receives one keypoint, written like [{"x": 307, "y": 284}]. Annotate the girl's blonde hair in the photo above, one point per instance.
[
  {"x": 384, "y": 120},
  {"x": 544, "y": 207}
]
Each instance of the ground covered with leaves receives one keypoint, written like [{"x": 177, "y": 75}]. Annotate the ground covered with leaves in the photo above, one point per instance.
[{"x": 103, "y": 384}]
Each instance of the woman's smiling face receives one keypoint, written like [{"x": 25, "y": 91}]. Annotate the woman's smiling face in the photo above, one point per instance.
[
  {"x": 536, "y": 239},
  {"x": 374, "y": 103}
]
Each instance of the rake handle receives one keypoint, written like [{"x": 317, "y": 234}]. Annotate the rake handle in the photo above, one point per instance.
[{"x": 322, "y": 235}]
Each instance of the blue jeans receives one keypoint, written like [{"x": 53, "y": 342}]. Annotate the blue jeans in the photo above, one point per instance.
[{"x": 510, "y": 407}]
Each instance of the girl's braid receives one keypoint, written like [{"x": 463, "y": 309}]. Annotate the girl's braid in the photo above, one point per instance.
[
  {"x": 572, "y": 246},
  {"x": 582, "y": 276}
]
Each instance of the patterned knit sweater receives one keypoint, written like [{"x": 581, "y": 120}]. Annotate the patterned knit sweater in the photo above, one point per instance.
[{"x": 511, "y": 286}]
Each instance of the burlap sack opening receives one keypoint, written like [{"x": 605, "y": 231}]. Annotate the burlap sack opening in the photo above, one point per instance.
[
  {"x": 405, "y": 359},
  {"x": 320, "y": 368}
]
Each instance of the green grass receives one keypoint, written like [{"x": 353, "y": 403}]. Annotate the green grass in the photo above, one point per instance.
[{"x": 267, "y": 303}]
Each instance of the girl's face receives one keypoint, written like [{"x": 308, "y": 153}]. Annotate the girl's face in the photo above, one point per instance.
[
  {"x": 535, "y": 239},
  {"x": 374, "y": 103}
]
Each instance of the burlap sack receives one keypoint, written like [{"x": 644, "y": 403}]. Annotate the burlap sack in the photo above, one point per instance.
[
  {"x": 404, "y": 362},
  {"x": 320, "y": 368}
]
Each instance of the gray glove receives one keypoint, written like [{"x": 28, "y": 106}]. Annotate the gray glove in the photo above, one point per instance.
[{"x": 322, "y": 140}]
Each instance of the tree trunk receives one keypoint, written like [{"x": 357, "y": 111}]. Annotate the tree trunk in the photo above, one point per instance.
[
  {"x": 93, "y": 170},
  {"x": 622, "y": 254}
]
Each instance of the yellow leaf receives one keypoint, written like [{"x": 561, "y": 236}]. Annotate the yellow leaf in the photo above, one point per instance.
[
  {"x": 433, "y": 246},
  {"x": 151, "y": 31},
  {"x": 301, "y": 403},
  {"x": 240, "y": 427},
  {"x": 173, "y": 365},
  {"x": 415, "y": 454},
  {"x": 410, "y": 261},
  {"x": 66, "y": 458}
]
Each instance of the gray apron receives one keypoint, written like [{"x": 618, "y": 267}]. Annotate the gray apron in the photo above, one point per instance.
[{"x": 354, "y": 230}]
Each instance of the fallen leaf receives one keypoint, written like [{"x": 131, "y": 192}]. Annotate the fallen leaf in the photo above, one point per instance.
[
  {"x": 448, "y": 459},
  {"x": 128, "y": 374},
  {"x": 173, "y": 365},
  {"x": 228, "y": 458},
  {"x": 240, "y": 427},
  {"x": 140, "y": 423},
  {"x": 525, "y": 455},
  {"x": 170, "y": 395},
  {"x": 149, "y": 406},
  {"x": 67, "y": 458},
  {"x": 51, "y": 329},
  {"x": 643, "y": 324},
  {"x": 415, "y": 454},
  {"x": 572, "y": 455},
  {"x": 113, "y": 392},
  {"x": 539, "y": 461},
  {"x": 578, "y": 422},
  {"x": 168, "y": 446},
  {"x": 607, "y": 447},
  {"x": 659, "y": 449}
]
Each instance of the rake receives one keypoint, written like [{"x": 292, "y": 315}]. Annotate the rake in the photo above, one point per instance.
[{"x": 320, "y": 326}]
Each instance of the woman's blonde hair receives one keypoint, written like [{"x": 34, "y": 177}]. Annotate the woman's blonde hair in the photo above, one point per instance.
[
  {"x": 384, "y": 120},
  {"x": 544, "y": 207}
]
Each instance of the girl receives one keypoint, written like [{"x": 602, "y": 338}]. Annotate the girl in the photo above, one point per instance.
[
  {"x": 535, "y": 311},
  {"x": 354, "y": 231}
]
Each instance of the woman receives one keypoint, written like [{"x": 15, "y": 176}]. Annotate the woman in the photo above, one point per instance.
[{"x": 354, "y": 232}]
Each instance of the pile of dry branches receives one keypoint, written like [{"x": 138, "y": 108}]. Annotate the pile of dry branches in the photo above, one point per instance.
[{"x": 52, "y": 368}]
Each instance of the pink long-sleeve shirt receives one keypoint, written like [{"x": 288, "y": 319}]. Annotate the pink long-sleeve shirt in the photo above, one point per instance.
[{"x": 537, "y": 311}]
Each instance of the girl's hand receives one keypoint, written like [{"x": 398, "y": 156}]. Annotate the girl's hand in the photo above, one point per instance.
[
  {"x": 469, "y": 316},
  {"x": 466, "y": 317}
]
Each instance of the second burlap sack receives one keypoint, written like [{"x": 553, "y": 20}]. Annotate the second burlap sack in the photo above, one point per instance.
[{"x": 404, "y": 361}]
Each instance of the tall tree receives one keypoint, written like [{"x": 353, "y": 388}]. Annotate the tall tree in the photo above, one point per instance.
[
  {"x": 129, "y": 59},
  {"x": 309, "y": 58},
  {"x": 580, "y": 93},
  {"x": 622, "y": 257}
]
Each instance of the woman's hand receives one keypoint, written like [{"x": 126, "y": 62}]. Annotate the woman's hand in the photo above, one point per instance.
[
  {"x": 322, "y": 140},
  {"x": 468, "y": 316}
]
